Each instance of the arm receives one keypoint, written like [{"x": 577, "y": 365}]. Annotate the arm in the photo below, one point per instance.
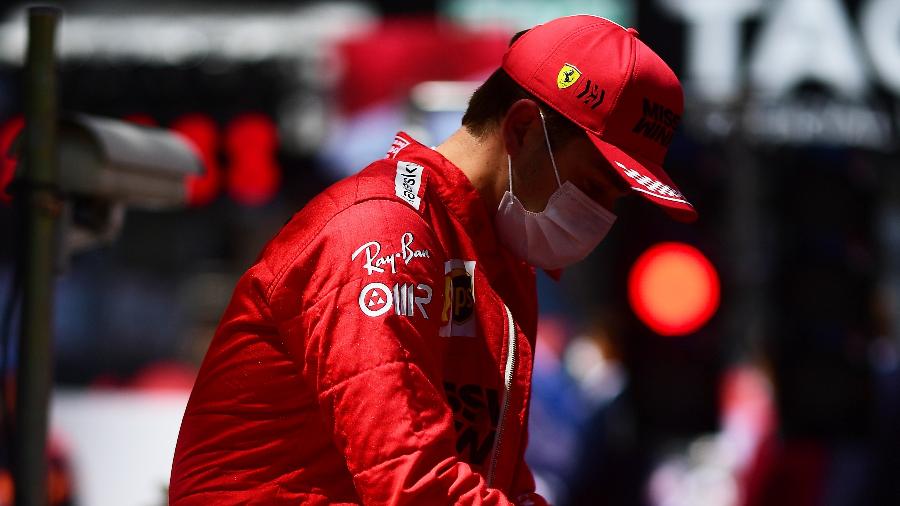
[{"x": 368, "y": 341}]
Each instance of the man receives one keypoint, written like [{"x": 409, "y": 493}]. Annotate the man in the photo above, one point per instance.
[{"x": 380, "y": 350}]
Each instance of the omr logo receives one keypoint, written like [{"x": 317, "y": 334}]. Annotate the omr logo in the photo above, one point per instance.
[{"x": 375, "y": 299}]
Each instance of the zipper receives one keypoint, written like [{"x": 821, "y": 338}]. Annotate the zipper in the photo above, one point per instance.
[{"x": 511, "y": 360}]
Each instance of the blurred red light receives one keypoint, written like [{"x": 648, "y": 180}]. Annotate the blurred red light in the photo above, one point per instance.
[
  {"x": 253, "y": 176},
  {"x": 673, "y": 288},
  {"x": 201, "y": 133},
  {"x": 164, "y": 376},
  {"x": 8, "y": 133}
]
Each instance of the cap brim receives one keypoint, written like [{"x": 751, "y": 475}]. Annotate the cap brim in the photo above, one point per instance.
[{"x": 648, "y": 179}]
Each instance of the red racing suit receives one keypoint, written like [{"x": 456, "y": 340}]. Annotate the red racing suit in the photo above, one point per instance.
[{"x": 379, "y": 352}]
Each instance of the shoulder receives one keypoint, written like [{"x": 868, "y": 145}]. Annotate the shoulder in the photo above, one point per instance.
[
  {"x": 379, "y": 248},
  {"x": 372, "y": 236},
  {"x": 381, "y": 220},
  {"x": 391, "y": 189}
]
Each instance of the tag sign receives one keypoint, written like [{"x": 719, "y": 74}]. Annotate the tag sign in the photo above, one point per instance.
[{"x": 799, "y": 40}]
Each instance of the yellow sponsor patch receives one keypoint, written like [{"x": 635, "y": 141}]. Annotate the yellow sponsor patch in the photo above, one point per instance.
[{"x": 568, "y": 74}]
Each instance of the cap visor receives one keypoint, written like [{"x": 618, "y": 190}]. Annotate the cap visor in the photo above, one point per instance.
[{"x": 648, "y": 179}]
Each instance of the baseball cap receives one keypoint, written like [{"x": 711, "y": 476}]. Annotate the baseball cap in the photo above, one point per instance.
[{"x": 603, "y": 78}]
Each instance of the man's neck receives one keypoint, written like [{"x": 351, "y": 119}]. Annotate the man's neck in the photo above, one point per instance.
[{"x": 479, "y": 159}]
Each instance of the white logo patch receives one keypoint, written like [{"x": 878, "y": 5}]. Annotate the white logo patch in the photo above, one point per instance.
[
  {"x": 458, "y": 314},
  {"x": 408, "y": 182},
  {"x": 377, "y": 299},
  {"x": 405, "y": 299},
  {"x": 374, "y": 261}
]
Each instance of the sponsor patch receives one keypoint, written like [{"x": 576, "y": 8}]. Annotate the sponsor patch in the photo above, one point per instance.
[
  {"x": 458, "y": 312},
  {"x": 374, "y": 261},
  {"x": 376, "y": 299},
  {"x": 568, "y": 74},
  {"x": 476, "y": 411},
  {"x": 410, "y": 296},
  {"x": 657, "y": 123},
  {"x": 591, "y": 95},
  {"x": 408, "y": 182}
]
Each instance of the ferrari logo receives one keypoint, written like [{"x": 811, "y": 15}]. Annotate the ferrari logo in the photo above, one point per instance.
[{"x": 567, "y": 76}]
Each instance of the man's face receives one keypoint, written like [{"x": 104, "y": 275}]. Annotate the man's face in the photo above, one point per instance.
[
  {"x": 578, "y": 161},
  {"x": 585, "y": 167}
]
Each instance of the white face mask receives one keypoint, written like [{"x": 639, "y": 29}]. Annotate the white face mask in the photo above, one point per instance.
[{"x": 570, "y": 226}]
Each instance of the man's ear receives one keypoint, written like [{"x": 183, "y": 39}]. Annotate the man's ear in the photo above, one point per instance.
[{"x": 515, "y": 125}]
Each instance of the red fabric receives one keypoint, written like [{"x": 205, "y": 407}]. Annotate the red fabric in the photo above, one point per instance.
[{"x": 326, "y": 385}]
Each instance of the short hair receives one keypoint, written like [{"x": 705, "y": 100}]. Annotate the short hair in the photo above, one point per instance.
[{"x": 493, "y": 98}]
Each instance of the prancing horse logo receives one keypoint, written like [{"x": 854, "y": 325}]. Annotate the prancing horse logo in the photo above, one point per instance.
[{"x": 568, "y": 74}]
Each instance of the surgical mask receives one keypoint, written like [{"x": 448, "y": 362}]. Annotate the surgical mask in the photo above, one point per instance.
[{"x": 570, "y": 226}]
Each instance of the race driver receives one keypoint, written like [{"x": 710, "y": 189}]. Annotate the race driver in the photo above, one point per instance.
[{"x": 380, "y": 350}]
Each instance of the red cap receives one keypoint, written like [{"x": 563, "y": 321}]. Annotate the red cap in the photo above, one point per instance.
[{"x": 604, "y": 79}]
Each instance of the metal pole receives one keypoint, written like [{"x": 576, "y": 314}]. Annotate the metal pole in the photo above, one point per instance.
[
  {"x": 747, "y": 314},
  {"x": 41, "y": 207}
]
